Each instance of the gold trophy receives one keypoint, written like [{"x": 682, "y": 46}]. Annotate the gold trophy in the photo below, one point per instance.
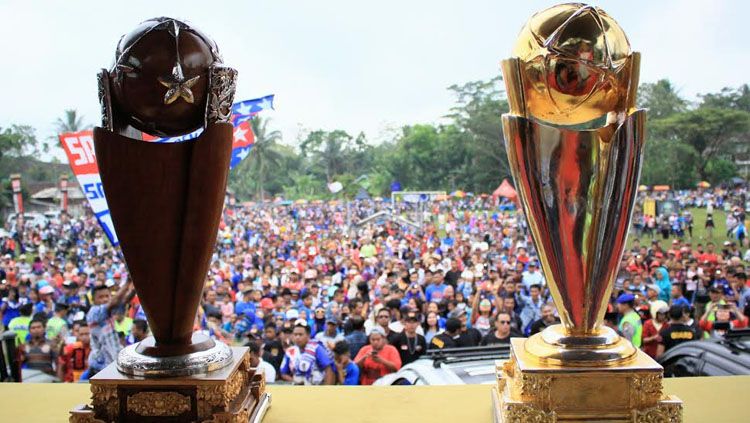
[{"x": 575, "y": 143}]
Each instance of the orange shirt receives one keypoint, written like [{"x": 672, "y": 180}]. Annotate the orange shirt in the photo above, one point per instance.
[{"x": 372, "y": 370}]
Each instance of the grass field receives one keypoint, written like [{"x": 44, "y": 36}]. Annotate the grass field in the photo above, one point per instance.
[{"x": 699, "y": 232}]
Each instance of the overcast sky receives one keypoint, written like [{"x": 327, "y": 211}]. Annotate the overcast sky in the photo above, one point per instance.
[{"x": 359, "y": 66}]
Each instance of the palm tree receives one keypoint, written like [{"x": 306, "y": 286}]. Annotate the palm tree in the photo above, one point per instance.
[
  {"x": 330, "y": 151},
  {"x": 263, "y": 153},
  {"x": 71, "y": 122}
]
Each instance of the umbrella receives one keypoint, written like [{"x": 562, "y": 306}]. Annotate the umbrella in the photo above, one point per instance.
[
  {"x": 703, "y": 184},
  {"x": 642, "y": 188},
  {"x": 458, "y": 194}
]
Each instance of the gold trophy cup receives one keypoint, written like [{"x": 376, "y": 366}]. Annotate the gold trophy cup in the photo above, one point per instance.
[{"x": 575, "y": 143}]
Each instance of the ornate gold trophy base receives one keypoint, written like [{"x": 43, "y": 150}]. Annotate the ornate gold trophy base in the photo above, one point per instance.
[
  {"x": 235, "y": 393},
  {"x": 528, "y": 391}
]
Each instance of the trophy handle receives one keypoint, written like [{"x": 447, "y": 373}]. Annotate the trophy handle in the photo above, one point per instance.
[{"x": 222, "y": 83}]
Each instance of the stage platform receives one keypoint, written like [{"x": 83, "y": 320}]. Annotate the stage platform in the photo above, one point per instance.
[{"x": 709, "y": 399}]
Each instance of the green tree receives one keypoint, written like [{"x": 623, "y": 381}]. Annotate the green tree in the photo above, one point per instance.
[
  {"x": 708, "y": 130},
  {"x": 70, "y": 122},
  {"x": 670, "y": 162},
  {"x": 661, "y": 99},
  {"x": 478, "y": 114},
  {"x": 333, "y": 153},
  {"x": 728, "y": 98},
  {"x": 720, "y": 170},
  {"x": 18, "y": 141}
]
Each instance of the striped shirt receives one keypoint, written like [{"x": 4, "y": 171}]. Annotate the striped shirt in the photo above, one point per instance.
[{"x": 105, "y": 343}]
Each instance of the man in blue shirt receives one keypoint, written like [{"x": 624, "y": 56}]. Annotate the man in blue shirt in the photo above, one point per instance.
[
  {"x": 105, "y": 343},
  {"x": 435, "y": 291},
  {"x": 347, "y": 373},
  {"x": 246, "y": 303},
  {"x": 307, "y": 362},
  {"x": 357, "y": 338}
]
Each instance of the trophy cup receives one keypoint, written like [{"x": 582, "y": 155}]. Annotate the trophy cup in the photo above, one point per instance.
[
  {"x": 166, "y": 201},
  {"x": 575, "y": 143}
]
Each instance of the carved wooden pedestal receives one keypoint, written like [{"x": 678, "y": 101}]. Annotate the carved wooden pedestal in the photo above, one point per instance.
[
  {"x": 235, "y": 393},
  {"x": 632, "y": 392}
]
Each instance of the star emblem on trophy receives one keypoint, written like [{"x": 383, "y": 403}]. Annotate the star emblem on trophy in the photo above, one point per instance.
[
  {"x": 166, "y": 201},
  {"x": 575, "y": 141}
]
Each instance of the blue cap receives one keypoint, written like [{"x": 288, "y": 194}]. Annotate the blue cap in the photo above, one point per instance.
[{"x": 625, "y": 298}]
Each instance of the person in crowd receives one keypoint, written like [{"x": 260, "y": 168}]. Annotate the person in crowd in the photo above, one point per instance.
[
  {"x": 431, "y": 326},
  {"x": 357, "y": 337},
  {"x": 73, "y": 361},
  {"x": 503, "y": 331},
  {"x": 378, "y": 358},
  {"x": 548, "y": 319},
  {"x": 105, "y": 343},
  {"x": 677, "y": 332},
  {"x": 449, "y": 337},
  {"x": 57, "y": 325},
  {"x": 38, "y": 353},
  {"x": 726, "y": 317},
  {"x": 138, "y": 331},
  {"x": 275, "y": 263},
  {"x": 482, "y": 321},
  {"x": 20, "y": 324},
  {"x": 409, "y": 344},
  {"x": 653, "y": 326},
  {"x": 306, "y": 362},
  {"x": 347, "y": 372},
  {"x": 532, "y": 307},
  {"x": 468, "y": 336},
  {"x": 123, "y": 323},
  {"x": 331, "y": 335},
  {"x": 630, "y": 325},
  {"x": 256, "y": 361},
  {"x": 532, "y": 276}
]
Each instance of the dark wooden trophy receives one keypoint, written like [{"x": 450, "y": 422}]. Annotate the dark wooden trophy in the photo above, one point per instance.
[{"x": 166, "y": 201}]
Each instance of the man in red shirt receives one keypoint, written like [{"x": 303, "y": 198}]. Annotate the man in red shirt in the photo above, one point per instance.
[
  {"x": 709, "y": 256},
  {"x": 377, "y": 359},
  {"x": 75, "y": 357}
]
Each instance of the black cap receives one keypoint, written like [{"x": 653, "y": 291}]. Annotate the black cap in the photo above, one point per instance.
[{"x": 452, "y": 325}]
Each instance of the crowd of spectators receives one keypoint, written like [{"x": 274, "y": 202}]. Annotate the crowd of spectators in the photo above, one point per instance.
[{"x": 320, "y": 301}]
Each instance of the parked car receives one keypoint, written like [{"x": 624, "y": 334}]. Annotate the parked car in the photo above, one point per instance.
[
  {"x": 714, "y": 357},
  {"x": 450, "y": 366},
  {"x": 53, "y": 216},
  {"x": 30, "y": 220}
]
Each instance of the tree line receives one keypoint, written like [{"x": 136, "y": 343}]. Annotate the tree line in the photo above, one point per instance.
[{"x": 687, "y": 142}]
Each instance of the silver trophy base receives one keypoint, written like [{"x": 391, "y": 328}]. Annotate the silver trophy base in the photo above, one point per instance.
[{"x": 131, "y": 362}]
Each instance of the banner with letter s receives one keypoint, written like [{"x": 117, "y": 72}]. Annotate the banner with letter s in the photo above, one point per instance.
[{"x": 79, "y": 147}]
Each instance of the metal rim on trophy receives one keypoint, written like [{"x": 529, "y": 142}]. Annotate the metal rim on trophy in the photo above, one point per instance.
[
  {"x": 131, "y": 362},
  {"x": 556, "y": 346}
]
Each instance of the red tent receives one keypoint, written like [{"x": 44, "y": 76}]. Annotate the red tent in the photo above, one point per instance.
[{"x": 505, "y": 190}]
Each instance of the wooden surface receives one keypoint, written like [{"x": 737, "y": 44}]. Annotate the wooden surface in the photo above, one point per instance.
[{"x": 716, "y": 399}]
